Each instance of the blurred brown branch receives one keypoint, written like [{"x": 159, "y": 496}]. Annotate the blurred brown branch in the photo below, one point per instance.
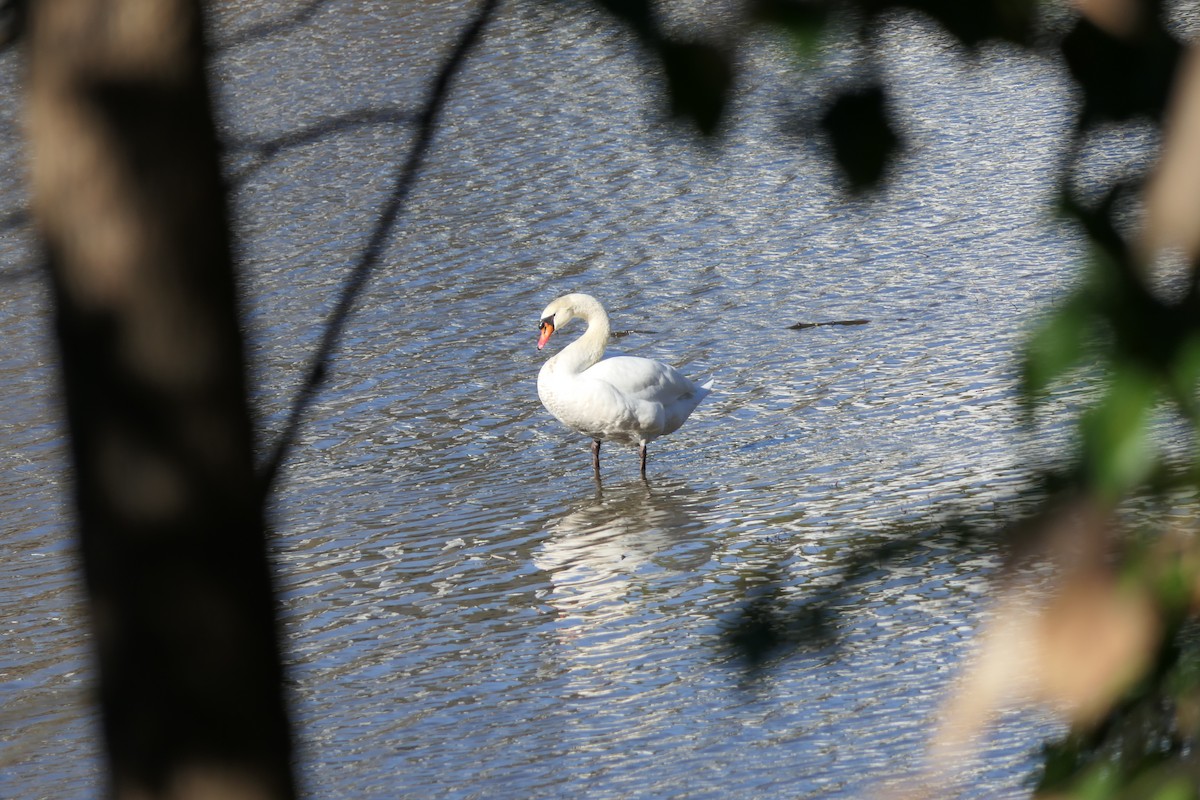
[{"x": 130, "y": 205}]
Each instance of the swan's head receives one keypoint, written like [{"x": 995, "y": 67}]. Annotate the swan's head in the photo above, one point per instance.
[
  {"x": 546, "y": 330},
  {"x": 553, "y": 318},
  {"x": 562, "y": 311}
]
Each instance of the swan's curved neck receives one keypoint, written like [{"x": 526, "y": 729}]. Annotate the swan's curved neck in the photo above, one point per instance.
[{"x": 589, "y": 347}]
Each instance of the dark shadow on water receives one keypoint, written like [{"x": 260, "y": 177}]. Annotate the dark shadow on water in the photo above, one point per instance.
[{"x": 777, "y": 620}]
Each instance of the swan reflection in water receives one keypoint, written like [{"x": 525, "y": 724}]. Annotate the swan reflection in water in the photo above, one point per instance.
[{"x": 617, "y": 564}]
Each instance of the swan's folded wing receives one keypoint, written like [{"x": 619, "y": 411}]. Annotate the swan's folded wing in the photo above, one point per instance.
[{"x": 642, "y": 378}]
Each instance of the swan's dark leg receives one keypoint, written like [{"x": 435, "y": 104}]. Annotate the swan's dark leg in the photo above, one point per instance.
[
  {"x": 596, "y": 456},
  {"x": 643, "y": 460}
]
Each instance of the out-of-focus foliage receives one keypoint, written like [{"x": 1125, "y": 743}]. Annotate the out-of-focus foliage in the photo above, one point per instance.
[
  {"x": 1143, "y": 746},
  {"x": 1146, "y": 346},
  {"x": 1123, "y": 76},
  {"x": 861, "y": 133},
  {"x": 1114, "y": 642},
  {"x": 699, "y": 74}
]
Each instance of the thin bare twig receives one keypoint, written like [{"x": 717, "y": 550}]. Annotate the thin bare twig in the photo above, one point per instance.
[
  {"x": 261, "y": 151},
  {"x": 286, "y": 24},
  {"x": 372, "y": 252}
]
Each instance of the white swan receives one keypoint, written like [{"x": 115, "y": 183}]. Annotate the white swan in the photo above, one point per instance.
[{"x": 622, "y": 399}]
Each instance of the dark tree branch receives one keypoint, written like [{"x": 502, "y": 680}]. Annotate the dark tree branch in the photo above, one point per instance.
[
  {"x": 369, "y": 257},
  {"x": 263, "y": 149},
  {"x": 284, "y": 24}
]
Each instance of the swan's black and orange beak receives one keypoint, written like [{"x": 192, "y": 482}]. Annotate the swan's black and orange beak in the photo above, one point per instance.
[{"x": 547, "y": 329}]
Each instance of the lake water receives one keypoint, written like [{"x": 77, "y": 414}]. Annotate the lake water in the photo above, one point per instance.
[{"x": 466, "y": 614}]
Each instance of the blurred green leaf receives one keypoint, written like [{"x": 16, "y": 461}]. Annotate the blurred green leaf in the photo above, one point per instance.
[
  {"x": 1185, "y": 375},
  {"x": 1059, "y": 345},
  {"x": 1177, "y": 789},
  {"x": 1174, "y": 585},
  {"x": 803, "y": 20},
  {"x": 1100, "y": 782},
  {"x": 1117, "y": 450}
]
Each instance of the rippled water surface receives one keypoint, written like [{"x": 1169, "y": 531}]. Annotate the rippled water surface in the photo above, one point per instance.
[{"x": 466, "y": 613}]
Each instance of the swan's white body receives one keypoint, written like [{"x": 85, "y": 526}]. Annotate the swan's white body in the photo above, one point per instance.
[{"x": 621, "y": 399}]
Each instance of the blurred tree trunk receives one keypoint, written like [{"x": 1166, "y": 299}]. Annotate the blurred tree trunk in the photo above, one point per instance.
[{"x": 131, "y": 208}]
